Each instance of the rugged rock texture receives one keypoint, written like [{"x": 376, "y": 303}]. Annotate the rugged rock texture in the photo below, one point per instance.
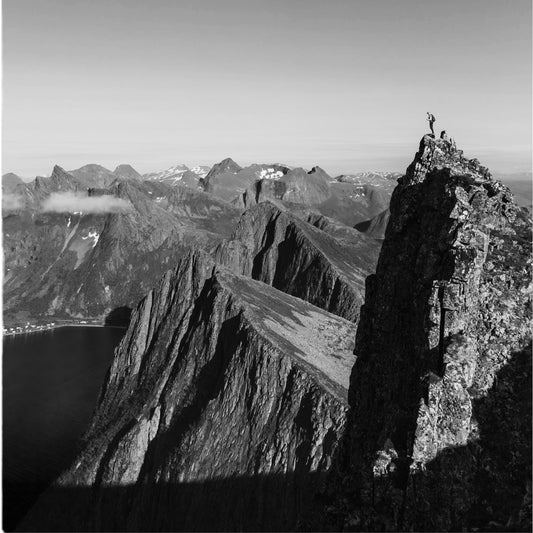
[
  {"x": 83, "y": 265},
  {"x": 221, "y": 411},
  {"x": 347, "y": 199},
  {"x": 440, "y": 426},
  {"x": 230, "y": 182},
  {"x": 288, "y": 253},
  {"x": 295, "y": 186}
]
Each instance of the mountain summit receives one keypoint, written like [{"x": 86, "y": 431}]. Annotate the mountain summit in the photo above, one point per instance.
[{"x": 439, "y": 436}]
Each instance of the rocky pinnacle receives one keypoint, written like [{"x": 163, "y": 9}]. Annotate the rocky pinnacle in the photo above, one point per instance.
[{"x": 446, "y": 313}]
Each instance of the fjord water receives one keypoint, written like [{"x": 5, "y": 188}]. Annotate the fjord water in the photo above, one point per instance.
[{"x": 51, "y": 382}]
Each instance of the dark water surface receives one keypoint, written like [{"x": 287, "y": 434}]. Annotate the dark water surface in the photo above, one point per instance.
[{"x": 51, "y": 382}]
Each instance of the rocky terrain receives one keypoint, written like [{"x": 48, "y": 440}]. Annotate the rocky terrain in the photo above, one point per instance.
[
  {"x": 110, "y": 235},
  {"x": 219, "y": 412},
  {"x": 73, "y": 251},
  {"x": 259, "y": 388},
  {"x": 439, "y": 432},
  {"x": 296, "y": 257},
  {"x": 180, "y": 174}
]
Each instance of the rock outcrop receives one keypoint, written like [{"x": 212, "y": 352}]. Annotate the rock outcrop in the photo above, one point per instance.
[
  {"x": 221, "y": 411},
  {"x": 439, "y": 433},
  {"x": 295, "y": 257}
]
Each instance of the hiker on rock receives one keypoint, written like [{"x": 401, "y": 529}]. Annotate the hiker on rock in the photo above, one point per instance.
[
  {"x": 444, "y": 135},
  {"x": 431, "y": 120}
]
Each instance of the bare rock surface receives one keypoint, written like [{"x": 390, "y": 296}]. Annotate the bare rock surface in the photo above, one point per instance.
[
  {"x": 294, "y": 256},
  {"x": 439, "y": 436},
  {"x": 221, "y": 411}
]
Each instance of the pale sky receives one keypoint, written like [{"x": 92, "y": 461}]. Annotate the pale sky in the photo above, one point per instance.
[{"x": 340, "y": 84}]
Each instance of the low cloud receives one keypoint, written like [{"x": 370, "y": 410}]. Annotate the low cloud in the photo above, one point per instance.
[
  {"x": 69, "y": 202},
  {"x": 11, "y": 201}
]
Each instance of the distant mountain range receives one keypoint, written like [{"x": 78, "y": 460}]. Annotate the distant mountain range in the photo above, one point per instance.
[{"x": 85, "y": 242}]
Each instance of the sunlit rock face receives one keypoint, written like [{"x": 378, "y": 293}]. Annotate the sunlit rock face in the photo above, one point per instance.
[
  {"x": 221, "y": 411},
  {"x": 278, "y": 248},
  {"x": 445, "y": 320}
]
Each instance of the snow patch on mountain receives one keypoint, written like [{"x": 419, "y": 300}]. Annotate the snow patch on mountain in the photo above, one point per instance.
[
  {"x": 270, "y": 174},
  {"x": 175, "y": 173},
  {"x": 201, "y": 171},
  {"x": 92, "y": 235}
]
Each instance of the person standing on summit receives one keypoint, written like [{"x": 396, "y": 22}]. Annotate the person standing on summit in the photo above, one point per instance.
[{"x": 431, "y": 120}]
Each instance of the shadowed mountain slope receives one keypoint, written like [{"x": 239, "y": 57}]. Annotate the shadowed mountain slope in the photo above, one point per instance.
[
  {"x": 219, "y": 379},
  {"x": 375, "y": 227},
  {"x": 448, "y": 310}
]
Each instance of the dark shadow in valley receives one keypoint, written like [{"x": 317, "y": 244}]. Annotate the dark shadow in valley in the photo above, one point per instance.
[
  {"x": 118, "y": 317},
  {"x": 484, "y": 485},
  {"x": 239, "y": 503}
]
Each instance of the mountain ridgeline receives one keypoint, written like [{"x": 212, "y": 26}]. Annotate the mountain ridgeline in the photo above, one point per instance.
[
  {"x": 261, "y": 387},
  {"x": 83, "y": 243},
  {"x": 219, "y": 411}
]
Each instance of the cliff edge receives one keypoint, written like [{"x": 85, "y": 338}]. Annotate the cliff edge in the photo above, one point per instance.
[
  {"x": 221, "y": 412},
  {"x": 432, "y": 442}
]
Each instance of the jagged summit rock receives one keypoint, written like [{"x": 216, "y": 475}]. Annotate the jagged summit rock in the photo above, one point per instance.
[
  {"x": 59, "y": 180},
  {"x": 439, "y": 153},
  {"x": 447, "y": 312},
  {"x": 221, "y": 411},
  {"x": 226, "y": 166},
  {"x": 280, "y": 249}
]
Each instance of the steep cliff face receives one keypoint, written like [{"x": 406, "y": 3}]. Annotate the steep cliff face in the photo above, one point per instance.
[
  {"x": 447, "y": 311},
  {"x": 221, "y": 411},
  {"x": 288, "y": 253}
]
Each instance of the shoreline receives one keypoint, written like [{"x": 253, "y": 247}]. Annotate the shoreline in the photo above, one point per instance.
[{"x": 56, "y": 326}]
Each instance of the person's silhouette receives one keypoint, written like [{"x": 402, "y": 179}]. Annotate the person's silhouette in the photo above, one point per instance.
[{"x": 431, "y": 120}]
